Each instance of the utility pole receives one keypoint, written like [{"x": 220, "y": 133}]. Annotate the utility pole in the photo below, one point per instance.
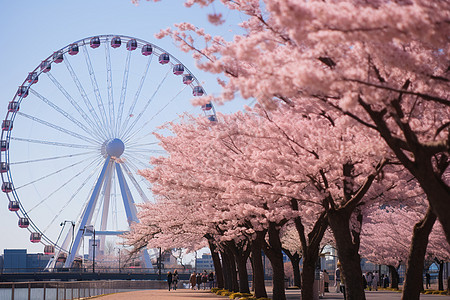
[
  {"x": 94, "y": 244},
  {"x": 159, "y": 264}
]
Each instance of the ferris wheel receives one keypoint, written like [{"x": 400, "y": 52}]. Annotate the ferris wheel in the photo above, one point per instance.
[{"x": 77, "y": 131}]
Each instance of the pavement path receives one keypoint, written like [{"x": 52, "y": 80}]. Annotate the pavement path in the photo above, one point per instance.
[{"x": 183, "y": 294}]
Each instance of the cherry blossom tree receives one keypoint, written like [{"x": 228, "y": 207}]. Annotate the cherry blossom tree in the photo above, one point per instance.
[
  {"x": 388, "y": 239},
  {"x": 255, "y": 171},
  {"x": 383, "y": 63}
]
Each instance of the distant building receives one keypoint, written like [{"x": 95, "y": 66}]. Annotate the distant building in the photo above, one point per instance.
[
  {"x": 18, "y": 260},
  {"x": 205, "y": 263}
]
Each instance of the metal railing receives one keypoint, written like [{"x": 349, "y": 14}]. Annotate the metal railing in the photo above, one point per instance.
[{"x": 58, "y": 290}]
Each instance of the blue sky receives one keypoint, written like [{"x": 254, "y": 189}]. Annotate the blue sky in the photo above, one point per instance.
[{"x": 33, "y": 30}]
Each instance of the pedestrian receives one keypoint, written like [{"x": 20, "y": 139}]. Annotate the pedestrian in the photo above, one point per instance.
[
  {"x": 326, "y": 281},
  {"x": 193, "y": 280},
  {"x": 169, "y": 279},
  {"x": 375, "y": 281},
  {"x": 204, "y": 279},
  {"x": 175, "y": 279},
  {"x": 386, "y": 281},
  {"x": 369, "y": 278},
  {"x": 321, "y": 285},
  {"x": 364, "y": 281},
  {"x": 211, "y": 279},
  {"x": 337, "y": 278},
  {"x": 427, "y": 280},
  {"x": 342, "y": 282},
  {"x": 199, "y": 280}
]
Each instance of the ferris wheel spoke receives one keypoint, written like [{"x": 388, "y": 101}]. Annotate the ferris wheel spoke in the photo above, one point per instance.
[
  {"x": 95, "y": 125},
  {"x": 69, "y": 97},
  {"x": 146, "y": 105},
  {"x": 94, "y": 83},
  {"x": 135, "y": 183},
  {"x": 64, "y": 113},
  {"x": 50, "y": 158},
  {"x": 144, "y": 150},
  {"x": 53, "y": 143},
  {"x": 54, "y": 173},
  {"x": 136, "y": 164},
  {"x": 138, "y": 130},
  {"x": 134, "y": 144},
  {"x": 123, "y": 92},
  {"x": 109, "y": 83},
  {"x": 76, "y": 135},
  {"x": 136, "y": 96},
  {"x": 77, "y": 191}
]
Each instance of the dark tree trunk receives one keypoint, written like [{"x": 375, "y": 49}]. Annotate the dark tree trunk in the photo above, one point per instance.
[
  {"x": 226, "y": 271},
  {"x": 274, "y": 253},
  {"x": 310, "y": 249},
  {"x": 241, "y": 257},
  {"x": 232, "y": 270},
  {"x": 441, "y": 276},
  {"x": 348, "y": 249},
  {"x": 395, "y": 278},
  {"x": 295, "y": 262},
  {"x": 217, "y": 265},
  {"x": 257, "y": 265},
  {"x": 416, "y": 258},
  {"x": 430, "y": 179}
]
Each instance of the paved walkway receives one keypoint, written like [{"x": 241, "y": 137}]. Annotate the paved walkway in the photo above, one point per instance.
[{"x": 184, "y": 294}]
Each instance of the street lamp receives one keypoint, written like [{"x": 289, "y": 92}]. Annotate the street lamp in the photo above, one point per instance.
[
  {"x": 119, "y": 259},
  {"x": 90, "y": 228}
]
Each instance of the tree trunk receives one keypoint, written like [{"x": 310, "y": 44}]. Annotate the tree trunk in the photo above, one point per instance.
[
  {"x": 257, "y": 265},
  {"x": 295, "y": 262},
  {"x": 441, "y": 276},
  {"x": 416, "y": 258},
  {"x": 310, "y": 249},
  {"x": 437, "y": 191},
  {"x": 274, "y": 253},
  {"x": 348, "y": 254},
  {"x": 226, "y": 271},
  {"x": 232, "y": 270},
  {"x": 217, "y": 265},
  {"x": 437, "y": 194},
  {"x": 241, "y": 257},
  {"x": 395, "y": 278}
]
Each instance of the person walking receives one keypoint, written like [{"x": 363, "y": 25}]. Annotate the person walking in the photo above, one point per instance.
[
  {"x": 199, "y": 280},
  {"x": 342, "y": 282},
  {"x": 211, "y": 279},
  {"x": 169, "y": 279},
  {"x": 175, "y": 279},
  {"x": 375, "y": 281},
  {"x": 337, "y": 278},
  {"x": 326, "y": 281},
  {"x": 369, "y": 278},
  {"x": 427, "y": 280},
  {"x": 193, "y": 280}
]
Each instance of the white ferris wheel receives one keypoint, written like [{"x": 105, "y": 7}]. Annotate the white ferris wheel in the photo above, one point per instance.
[{"x": 78, "y": 130}]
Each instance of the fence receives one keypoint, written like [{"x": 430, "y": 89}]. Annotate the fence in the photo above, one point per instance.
[{"x": 57, "y": 290}]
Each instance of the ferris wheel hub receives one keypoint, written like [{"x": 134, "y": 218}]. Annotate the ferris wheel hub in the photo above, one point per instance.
[{"x": 115, "y": 147}]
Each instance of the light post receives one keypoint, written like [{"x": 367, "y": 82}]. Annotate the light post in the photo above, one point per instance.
[
  {"x": 119, "y": 260},
  {"x": 91, "y": 229}
]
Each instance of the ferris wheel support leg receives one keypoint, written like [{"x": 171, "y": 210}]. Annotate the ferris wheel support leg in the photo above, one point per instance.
[
  {"x": 87, "y": 214},
  {"x": 130, "y": 209}
]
